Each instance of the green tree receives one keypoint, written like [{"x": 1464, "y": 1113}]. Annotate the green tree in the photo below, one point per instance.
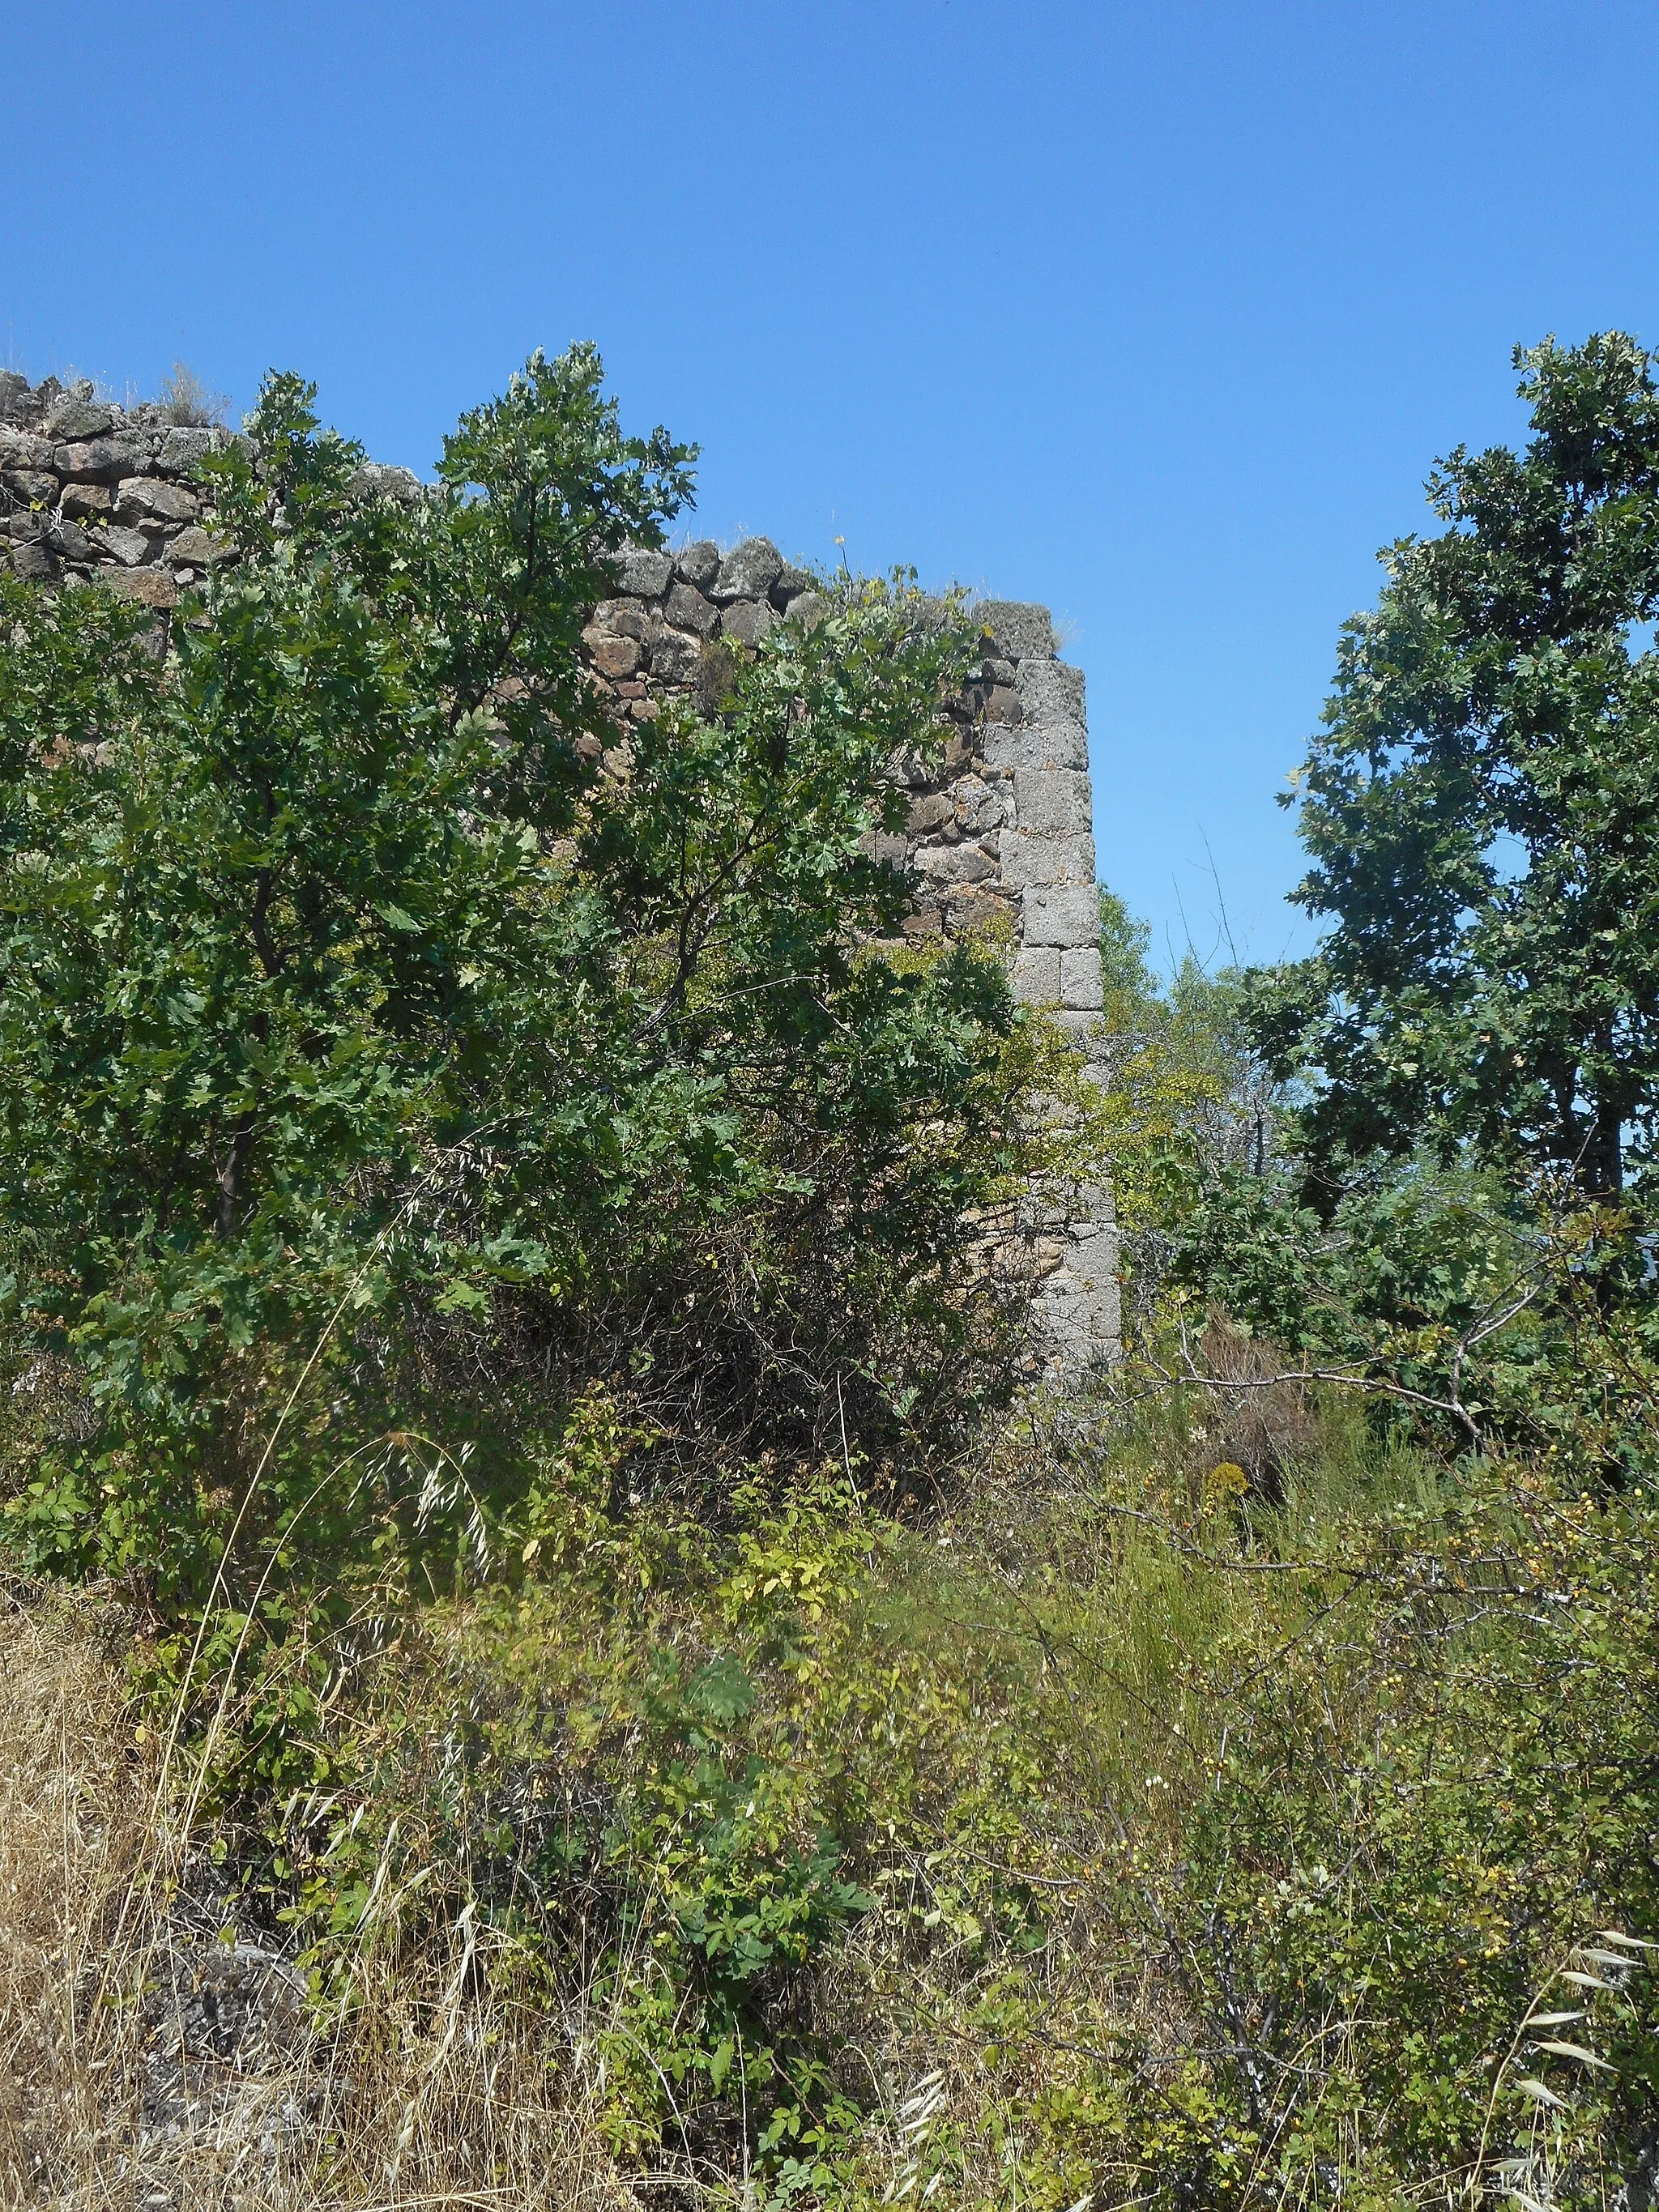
[
  {"x": 348, "y": 997},
  {"x": 1482, "y": 810},
  {"x": 1134, "y": 1000},
  {"x": 1189, "y": 1092}
]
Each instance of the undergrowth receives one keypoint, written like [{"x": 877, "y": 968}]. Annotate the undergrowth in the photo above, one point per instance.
[{"x": 1139, "y": 1830}]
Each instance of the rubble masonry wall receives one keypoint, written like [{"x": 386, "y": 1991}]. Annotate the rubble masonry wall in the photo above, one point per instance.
[{"x": 1000, "y": 828}]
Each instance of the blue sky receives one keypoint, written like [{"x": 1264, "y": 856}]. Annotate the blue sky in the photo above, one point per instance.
[{"x": 1157, "y": 312}]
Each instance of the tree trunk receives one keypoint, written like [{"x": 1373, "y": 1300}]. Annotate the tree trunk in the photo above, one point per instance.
[
  {"x": 1601, "y": 1171},
  {"x": 233, "y": 1175}
]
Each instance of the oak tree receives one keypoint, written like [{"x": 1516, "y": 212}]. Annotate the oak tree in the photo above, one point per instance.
[{"x": 1481, "y": 810}]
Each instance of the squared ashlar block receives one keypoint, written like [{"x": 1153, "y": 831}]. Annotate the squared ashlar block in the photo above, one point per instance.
[
  {"x": 1020, "y": 629},
  {"x": 1081, "y": 1027},
  {"x": 1080, "y": 979},
  {"x": 1050, "y": 691},
  {"x": 1053, "y": 802},
  {"x": 1037, "y": 977},
  {"x": 1054, "y": 744},
  {"x": 1028, "y": 861},
  {"x": 1067, "y": 915}
]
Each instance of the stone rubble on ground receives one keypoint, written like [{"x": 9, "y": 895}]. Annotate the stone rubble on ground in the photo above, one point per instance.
[{"x": 221, "y": 2020}]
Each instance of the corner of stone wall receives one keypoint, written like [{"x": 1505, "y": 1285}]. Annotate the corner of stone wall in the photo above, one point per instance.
[{"x": 1038, "y": 748}]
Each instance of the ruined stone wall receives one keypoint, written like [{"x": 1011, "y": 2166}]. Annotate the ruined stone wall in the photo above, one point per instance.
[
  {"x": 1000, "y": 828},
  {"x": 89, "y": 490}
]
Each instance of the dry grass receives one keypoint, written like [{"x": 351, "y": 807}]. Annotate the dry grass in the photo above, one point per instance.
[{"x": 146, "y": 2062}]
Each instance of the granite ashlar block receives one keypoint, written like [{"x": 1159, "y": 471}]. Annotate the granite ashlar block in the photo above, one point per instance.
[{"x": 1067, "y": 915}]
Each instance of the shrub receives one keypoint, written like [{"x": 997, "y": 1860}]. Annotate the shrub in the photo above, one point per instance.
[{"x": 378, "y": 1063}]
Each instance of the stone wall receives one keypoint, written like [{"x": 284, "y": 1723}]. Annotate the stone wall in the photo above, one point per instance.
[{"x": 1000, "y": 828}]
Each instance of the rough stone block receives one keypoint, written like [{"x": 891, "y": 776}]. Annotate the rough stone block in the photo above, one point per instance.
[
  {"x": 1036, "y": 978},
  {"x": 615, "y": 657},
  {"x": 1080, "y": 979},
  {"x": 1050, "y": 691},
  {"x": 749, "y": 571},
  {"x": 673, "y": 656},
  {"x": 1062, "y": 745},
  {"x": 148, "y": 499},
  {"x": 80, "y": 500},
  {"x": 932, "y": 812},
  {"x": 183, "y": 445},
  {"x": 809, "y": 610},
  {"x": 1020, "y": 630},
  {"x": 688, "y": 610},
  {"x": 1053, "y": 802},
  {"x": 32, "y": 559},
  {"x": 791, "y": 583},
  {"x": 130, "y": 547},
  {"x": 971, "y": 908},
  {"x": 19, "y": 450},
  {"x": 151, "y": 587},
  {"x": 384, "y": 480},
  {"x": 102, "y": 460},
  {"x": 1028, "y": 860},
  {"x": 32, "y": 486},
  {"x": 955, "y": 864},
  {"x": 1063, "y": 915},
  {"x": 979, "y": 808},
  {"x": 622, "y": 617},
  {"x": 75, "y": 419},
  {"x": 747, "y": 620},
  {"x": 645, "y": 573},
  {"x": 194, "y": 549},
  {"x": 698, "y": 563}
]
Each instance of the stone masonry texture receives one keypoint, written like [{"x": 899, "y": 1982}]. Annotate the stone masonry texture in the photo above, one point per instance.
[{"x": 998, "y": 831}]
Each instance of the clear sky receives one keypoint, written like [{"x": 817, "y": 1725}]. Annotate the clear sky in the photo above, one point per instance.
[{"x": 1157, "y": 312}]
